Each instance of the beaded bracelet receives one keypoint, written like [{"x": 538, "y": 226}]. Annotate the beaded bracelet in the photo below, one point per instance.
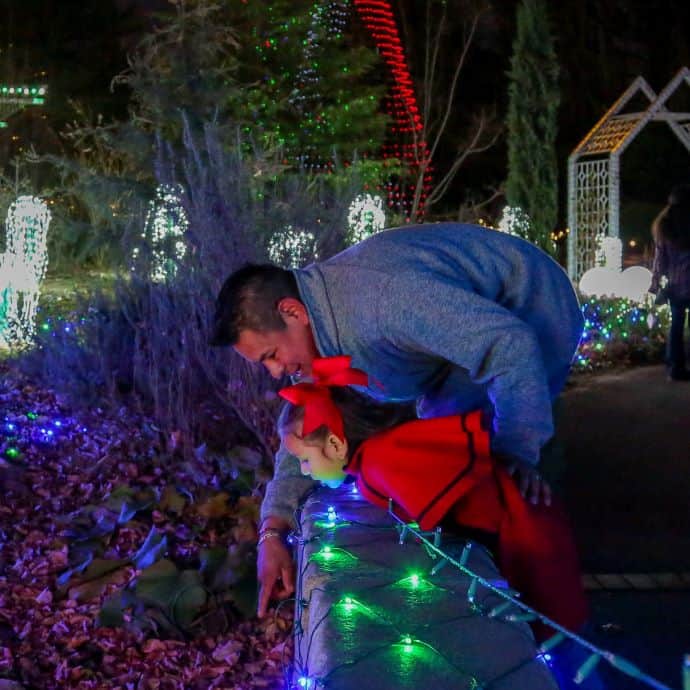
[{"x": 268, "y": 533}]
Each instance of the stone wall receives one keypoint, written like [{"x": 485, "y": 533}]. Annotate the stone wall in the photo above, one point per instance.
[{"x": 372, "y": 616}]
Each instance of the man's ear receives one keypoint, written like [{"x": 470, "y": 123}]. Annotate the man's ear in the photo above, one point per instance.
[
  {"x": 291, "y": 308},
  {"x": 335, "y": 448}
]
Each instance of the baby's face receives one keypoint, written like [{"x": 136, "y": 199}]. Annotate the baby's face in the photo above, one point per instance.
[{"x": 316, "y": 459}]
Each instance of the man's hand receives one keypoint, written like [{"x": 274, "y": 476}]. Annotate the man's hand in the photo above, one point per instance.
[
  {"x": 275, "y": 572},
  {"x": 532, "y": 485}
]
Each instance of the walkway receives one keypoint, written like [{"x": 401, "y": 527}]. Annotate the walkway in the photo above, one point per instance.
[{"x": 627, "y": 441}]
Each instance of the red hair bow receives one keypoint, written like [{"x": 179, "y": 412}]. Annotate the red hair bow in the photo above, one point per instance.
[{"x": 315, "y": 397}]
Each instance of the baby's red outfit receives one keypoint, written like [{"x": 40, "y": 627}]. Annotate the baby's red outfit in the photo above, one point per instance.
[{"x": 442, "y": 467}]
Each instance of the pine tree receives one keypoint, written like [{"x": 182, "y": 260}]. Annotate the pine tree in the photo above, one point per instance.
[
  {"x": 284, "y": 85},
  {"x": 532, "y": 183},
  {"x": 318, "y": 96},
  {"x": 289, "y": 73}
]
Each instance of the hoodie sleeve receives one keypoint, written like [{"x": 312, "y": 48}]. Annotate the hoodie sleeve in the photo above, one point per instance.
[
  {"x": 439, "y": 318},
  {"x": 287, "y": 488}
]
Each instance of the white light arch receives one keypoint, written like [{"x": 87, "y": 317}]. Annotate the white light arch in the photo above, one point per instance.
[{"x": 594, "y": 167}]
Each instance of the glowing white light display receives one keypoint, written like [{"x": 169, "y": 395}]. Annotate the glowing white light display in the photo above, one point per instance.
[
  {"x": 164, "y": 229},
  {"x": 609, "y": 253},
  {"x": 514, "y": 221},
  {"x": 292, "y": 248},
  {"x": 607, "y": 280},
  {"x": 634, "y": 283},
  {"x": 22, "y": 268},
  {"x": 365, "y": 217}
]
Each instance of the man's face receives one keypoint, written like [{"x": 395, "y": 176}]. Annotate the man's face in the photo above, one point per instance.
[{"x": 289, "y": 352}]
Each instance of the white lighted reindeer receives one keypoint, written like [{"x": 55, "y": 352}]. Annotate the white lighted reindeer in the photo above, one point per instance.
[{"x": 22, "y": 268}]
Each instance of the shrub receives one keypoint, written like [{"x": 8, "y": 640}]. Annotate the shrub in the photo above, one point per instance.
[{"x": 146, "y": 342}]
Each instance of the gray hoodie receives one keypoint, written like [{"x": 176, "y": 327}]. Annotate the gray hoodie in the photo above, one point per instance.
[{"x": 456, "y": 317}]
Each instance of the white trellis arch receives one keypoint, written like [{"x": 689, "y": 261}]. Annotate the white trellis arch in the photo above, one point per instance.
[{"x": 594, "y": 167}]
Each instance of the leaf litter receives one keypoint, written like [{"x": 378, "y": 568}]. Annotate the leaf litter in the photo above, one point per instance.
[{"x": 95, "y": 506}]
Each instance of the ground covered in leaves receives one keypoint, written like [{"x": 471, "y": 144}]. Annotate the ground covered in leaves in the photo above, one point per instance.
[{"x": 122, "y": 564}]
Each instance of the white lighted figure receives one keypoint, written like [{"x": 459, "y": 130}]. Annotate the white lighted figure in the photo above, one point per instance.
[
  {"x": 607, "y": 280},
  {"x": 22, "y": 268},
  {"x": 164, "y": 228},
  {"x": 609, "y": 253},
  {"x": 514, "y": 221},
  {"x": 634, "y": 283},
  {"x": 292, "y": 248},
  {"x": 365, "y": 217},
  {"x": 599, "y": 281}
]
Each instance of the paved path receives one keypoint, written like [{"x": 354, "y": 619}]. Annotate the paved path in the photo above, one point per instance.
[{"x": 627, "y": 445}]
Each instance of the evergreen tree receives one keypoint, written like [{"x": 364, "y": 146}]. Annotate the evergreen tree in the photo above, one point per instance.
[
  {"x": 290, "y": 73},
  {"x": 288, "y": 83},
  {"x": 319, "y": 93},
  {"x": 532, "y": 183}
]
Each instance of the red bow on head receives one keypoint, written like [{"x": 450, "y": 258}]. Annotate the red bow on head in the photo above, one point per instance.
[{"x": 315, "y": 397}]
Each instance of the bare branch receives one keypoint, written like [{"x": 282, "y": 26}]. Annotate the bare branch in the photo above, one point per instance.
[
  {"x": 436, "y": 119},
  {"x": 454, "y": 82},
  {"x": 469, "y": 213},
  {"x": 474, "y": 147}
]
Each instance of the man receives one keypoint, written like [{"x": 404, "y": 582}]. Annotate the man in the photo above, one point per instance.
[{"x": 452, "y": 316}]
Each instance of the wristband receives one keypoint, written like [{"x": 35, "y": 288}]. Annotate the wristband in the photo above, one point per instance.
[{"x": 268, "y": 533}]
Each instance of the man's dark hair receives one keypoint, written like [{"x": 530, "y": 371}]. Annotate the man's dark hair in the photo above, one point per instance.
[{"x": 249, "y": 300}]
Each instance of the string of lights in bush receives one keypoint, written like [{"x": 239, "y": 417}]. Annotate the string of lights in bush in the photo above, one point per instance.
[{"x": 620, "y": 331}]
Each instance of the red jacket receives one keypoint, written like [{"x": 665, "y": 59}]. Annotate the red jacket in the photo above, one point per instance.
[{"x": 437, "y": 467}]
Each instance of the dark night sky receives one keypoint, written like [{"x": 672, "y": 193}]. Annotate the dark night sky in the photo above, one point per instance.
[{"x": 602, "y": 47}]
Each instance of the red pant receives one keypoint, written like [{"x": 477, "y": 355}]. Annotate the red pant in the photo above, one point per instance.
[{"x": 536, "y": 549}]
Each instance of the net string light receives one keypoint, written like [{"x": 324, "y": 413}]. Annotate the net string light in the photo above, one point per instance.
[
  {"x": 610, "y": 322},
  {"x": 410, "y": 653},
  {"x": 510, "y": 610},
  {"x": 530, "y": 614}
]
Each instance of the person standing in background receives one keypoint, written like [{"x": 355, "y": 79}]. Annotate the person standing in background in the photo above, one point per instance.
[{"x": 671, "y": 233}]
